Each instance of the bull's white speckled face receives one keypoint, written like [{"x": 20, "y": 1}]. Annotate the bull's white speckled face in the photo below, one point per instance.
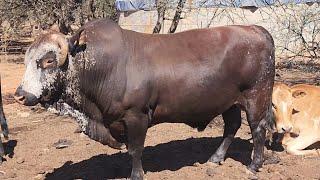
[
  {"x": 43, "y": 71},
  {"x": 37, "y": 77}
]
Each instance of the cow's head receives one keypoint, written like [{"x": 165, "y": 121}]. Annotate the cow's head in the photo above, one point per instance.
[
  {"x": 44, "y": 61},
  {"x": 282, "y": 106}
]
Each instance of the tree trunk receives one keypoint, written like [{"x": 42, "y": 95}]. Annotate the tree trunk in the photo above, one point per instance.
[
  {"x": 177, "y": 16},
  {"x": 161, "y": 9}
]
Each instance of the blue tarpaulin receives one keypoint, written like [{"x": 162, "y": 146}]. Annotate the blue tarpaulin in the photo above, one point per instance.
[{"x": 135, "y": 5}]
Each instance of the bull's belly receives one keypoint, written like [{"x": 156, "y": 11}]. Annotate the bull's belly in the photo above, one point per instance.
[
  {"x": 194, "y": 120},
  {"x": 195, "y": 106},
  {"x": 196, "y": 117}
]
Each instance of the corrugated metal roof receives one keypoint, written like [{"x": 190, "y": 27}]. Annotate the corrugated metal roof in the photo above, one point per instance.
[{"x": 135, "y": 5}]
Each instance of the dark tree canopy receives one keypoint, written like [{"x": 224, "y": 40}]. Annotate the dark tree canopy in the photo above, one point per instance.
[{"x": 47, "y": 12}]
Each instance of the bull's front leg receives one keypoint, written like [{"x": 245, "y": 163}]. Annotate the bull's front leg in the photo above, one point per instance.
[{"x": 137, "y": 125}]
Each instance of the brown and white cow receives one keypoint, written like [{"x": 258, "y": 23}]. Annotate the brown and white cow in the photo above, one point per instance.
[
  {"x": 125, "y": 81},
  {"x": 297, "y": 115}
]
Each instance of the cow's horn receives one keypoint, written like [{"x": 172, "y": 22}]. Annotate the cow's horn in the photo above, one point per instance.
[{"x": 64, "y": 48}]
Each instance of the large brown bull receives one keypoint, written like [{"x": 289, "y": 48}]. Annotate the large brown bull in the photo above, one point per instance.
[{"x": 125, "y": 81}]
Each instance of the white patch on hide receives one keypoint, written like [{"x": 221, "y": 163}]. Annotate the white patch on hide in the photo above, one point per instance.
[
  {"x": 73, "y": 87},
  {"x": 34, "y": 54},
  {"x": 86, "y": 59},
  {"x": 65, "y": 109},
  {"x": 316, "y": 123},
  {"x": 31, "y": 81}
]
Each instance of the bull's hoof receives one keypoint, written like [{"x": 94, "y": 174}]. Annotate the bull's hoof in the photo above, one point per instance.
[
  {"x": 137, "y": 175},
  {"x": 216, "y": 159},
  {"x": 119, "y": 146},
  {"x": 5, "y": 135},
  {"x": 253, "y": 168}
]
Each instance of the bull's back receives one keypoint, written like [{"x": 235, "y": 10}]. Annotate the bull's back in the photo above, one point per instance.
[{"x": 204, "y": 71}]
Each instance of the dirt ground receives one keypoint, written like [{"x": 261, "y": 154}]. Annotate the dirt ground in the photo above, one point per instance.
[{"x": 173, "y": 151}]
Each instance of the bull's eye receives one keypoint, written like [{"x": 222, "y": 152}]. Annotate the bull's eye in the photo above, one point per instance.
[
  {"x": 48, "y": 60},
  {"x": 48, "y": 63}
]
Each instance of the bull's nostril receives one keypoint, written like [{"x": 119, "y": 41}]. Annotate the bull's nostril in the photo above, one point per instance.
[{"x": 20, "y": 99}]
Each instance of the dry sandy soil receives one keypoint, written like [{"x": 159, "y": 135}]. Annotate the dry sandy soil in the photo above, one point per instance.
[{"x": 173, "y": 151}]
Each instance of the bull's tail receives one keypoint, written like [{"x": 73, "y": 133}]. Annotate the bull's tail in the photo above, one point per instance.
[
  {"x": 3, "y": 122},
  {"x": 270, "y": 123},
  {"x": 271, "y": 120}
]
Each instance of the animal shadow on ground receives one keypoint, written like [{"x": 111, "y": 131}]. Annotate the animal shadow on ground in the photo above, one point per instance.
[
  {"x": 275, "y": 145},
  {"x": 9, "y": 147},
  {"x": 167, "y": 156}
]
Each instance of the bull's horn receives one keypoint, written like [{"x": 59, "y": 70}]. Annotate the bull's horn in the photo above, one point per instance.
[{"x": 64, "y": 48}]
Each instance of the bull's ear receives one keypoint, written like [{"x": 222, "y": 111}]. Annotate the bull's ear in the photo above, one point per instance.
[
  {"x": 55, "y": 27},
  {"x": 78, "y": 42},
  {"x": 82, "y": 38},
  {"x": 79, "y": 38},
  {"x": 298, "y": 94}
]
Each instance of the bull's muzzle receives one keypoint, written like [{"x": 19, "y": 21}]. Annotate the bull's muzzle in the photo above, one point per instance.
[{"x": 25, "y": 98}]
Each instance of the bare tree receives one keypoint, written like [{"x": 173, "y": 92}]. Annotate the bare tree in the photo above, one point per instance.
[
  {"x": 63, "y": 12},
  {"x": 297, "y": 30},
  {"x": 161, "y": 9},
  {"x": 177, "y": 16}
]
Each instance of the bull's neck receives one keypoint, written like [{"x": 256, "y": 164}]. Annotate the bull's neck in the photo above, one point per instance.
[
  {"x": 100, "y": 82},
  {"x": 71, "y": 83}
]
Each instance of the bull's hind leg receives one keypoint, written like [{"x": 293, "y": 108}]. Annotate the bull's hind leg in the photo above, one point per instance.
[
  {"x": 137, "y": 125},
  {"x": 232, "y": 122},
  {"x": 259, "y": 116}
]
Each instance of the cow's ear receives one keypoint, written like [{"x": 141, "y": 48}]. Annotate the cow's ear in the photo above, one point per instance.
[
  {"x": 78, "y": 42},
  {"x": 298, "y": 94}
]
